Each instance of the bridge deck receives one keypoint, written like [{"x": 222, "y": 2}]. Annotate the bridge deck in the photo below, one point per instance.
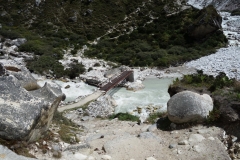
[{"x": 115, "y": 81}]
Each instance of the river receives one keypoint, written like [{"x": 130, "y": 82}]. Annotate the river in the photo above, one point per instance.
[{"x": 155, "y": 94}]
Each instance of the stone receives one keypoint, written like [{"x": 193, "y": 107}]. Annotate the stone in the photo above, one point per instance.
[
  {"x": 145, "y": 128},
  {"x": 150, "y": 158},
  {"x": 112, "y": 146},
  {"x": 19, "y": 41},
  {"x": 68, "y": 86},
  {"x": 90, "y": 158},
  {"x": 172, "y": 146},
  {"x": 152, "y": 128},
  {"x": 211, "y": 138},
  {"x": 80, "y": 156},
  {"x": 149, "y": 135},
  {"x": 189, "y": 106},
  {"x": 56, "y": 154},
  {"x": 94, "y": 137},
  {"x": 196, "y": 138},
  {"x": 183, "y": 142},
  {"x": 197, "y": 148},
  {"x": 56, "y": 147},
  {"x": 26, "y": 115},
  {"x": 85, "y": 118},
  {"x": 2, "y": 70},
  {"x": 106, "y": 157}
]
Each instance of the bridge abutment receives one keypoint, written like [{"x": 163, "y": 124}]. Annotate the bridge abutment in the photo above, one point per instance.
[{"x": 130, "y": 78}]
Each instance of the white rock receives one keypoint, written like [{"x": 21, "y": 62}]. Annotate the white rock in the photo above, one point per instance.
[
  {"x": 197, "y": 148},
  {"x": 106, "y": 157},
  {"x": 196, "y": 138},
  {"x": 80, "y": 156},
  {"x": 44, "y": 142},
  {"x": 189, "y": 106},
  {"x": 150, "y": 158},
  {"x": 91, "y": 158},
  {"x": 183, "y": 142},
  {"x": 211, "y": 138}
]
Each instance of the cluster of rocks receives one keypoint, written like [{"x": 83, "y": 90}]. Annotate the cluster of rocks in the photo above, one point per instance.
[
  {"x": 9, "y": 52},
  {"x": 102, "y": 107},
  {"x": 224, "y": 60},
  {"x": 134, "y": 86},
  {"x": 231, "y": 28}
]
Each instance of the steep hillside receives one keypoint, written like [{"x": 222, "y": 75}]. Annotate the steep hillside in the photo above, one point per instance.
[
  {"x": 85, "y": 17},
  {"x": 135, "y": 33}
]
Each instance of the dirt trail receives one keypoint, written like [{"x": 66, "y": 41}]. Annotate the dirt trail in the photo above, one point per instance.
[{"x": 83, "y": 101}]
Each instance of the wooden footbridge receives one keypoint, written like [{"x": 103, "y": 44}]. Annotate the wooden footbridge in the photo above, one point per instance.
[{"x": 114, "y": 82}]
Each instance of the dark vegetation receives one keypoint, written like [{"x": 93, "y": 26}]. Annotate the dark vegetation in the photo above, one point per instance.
[
  {"x": 67, "y": 128},
  {"x": 235, "y": 12},
  {"x": 162, "y": 43},
  {"x": 124, "y": 117},
  {"x": 70, "y": 23}
]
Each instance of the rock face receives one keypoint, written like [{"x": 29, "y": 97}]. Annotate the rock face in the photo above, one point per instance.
[
  {"x": 25, "y": 115},
  {"x": 206, "y": 23},
  {"x": 24, "y": 77},
  {"x": 188, "y": 106},
  {"x": 229, "y": 110}
]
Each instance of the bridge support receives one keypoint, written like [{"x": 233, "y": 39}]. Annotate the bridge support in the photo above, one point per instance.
[{"x": 130, "y": 78}]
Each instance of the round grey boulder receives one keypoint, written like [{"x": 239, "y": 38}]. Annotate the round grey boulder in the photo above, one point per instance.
[{"x": 188, "y": 106}]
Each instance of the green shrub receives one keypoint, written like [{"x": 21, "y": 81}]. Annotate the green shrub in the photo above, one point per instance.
[
  {"x": 74, "y": 70},
  {"x": 36, "y": 46},
  {"x": 124, "y": 117},
  {"x": 235, "y": 12},
  {"x": 153, "y": 116},
  {"x": 236, "y": 86},
  {"x": 213, "y": 116},
  {"x": 10, "y": 34}
]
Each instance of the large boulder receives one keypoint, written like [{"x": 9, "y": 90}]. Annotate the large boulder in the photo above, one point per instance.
[
  {"x": 25, "y": 115},
  {"x": 24, "y": 77},
  {"x": 188, "y": 106}
]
